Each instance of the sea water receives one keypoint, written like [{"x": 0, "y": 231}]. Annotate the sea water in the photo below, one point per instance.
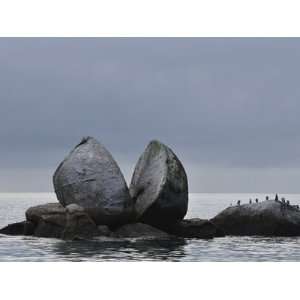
[{"x": 20, "y": 248}]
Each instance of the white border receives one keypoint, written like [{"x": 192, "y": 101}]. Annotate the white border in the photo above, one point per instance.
[
  {"x": 149, "y": 18},
  {"x": 149, "y": 281}
]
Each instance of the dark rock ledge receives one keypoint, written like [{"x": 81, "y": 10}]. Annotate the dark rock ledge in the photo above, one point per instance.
[
  {"x": 195, "y": 228},
  {"x": 72, "y": 223},
  {"x": 267, "y": 218}
]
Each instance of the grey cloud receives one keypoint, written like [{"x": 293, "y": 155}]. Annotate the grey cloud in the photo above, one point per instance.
[{"x": 223, "y": 105}]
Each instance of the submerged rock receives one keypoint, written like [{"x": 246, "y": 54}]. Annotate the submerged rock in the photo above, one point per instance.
[
  {"x": 140, "y": 230},
  {"x": 79, "y": 225},
  {"x": 195, "y": 228},
  {"x": 159, "y": 186},
  {"x": 90, "y": 177},
  {"x": 268, "y": 218}
]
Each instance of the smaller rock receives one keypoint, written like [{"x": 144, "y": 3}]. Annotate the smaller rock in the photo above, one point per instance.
[
  {"x": 266, "y": 218},
  {"x": 79, "y": 225},
  {"x": 195, "y": 228},
  {"x": 140, "y": 230},
  {"x": 49, "y": 219},
  {"x": 19, "y": 228},
  {"x": 51, "y": 211}
]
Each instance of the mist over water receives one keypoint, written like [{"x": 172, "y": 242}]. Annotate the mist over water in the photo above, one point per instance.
[{"x": 14, "y": 248}]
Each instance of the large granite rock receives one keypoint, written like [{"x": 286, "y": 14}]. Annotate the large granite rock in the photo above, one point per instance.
[
  {"x": 195, "y": 228},
  {"x": 90, "y": 177},
  {"x": 79, "y": 225},
  {"x": 140, "y": 230},
  {"x": 159, "y": 186},
  {"x": 49, "y": 219},
  {"x": 268, "y": 218}
]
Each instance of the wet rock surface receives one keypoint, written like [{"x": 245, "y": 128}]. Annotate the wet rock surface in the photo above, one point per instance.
[
  {"x": 52, "y": 212},
  {"x": 159, "y": 186},
  {"x": 49, "y": 219},
  {"x": 90, "y": 177},
  {"x": 79, "y": 225},
  {"x": 19, "y": 228},
  {"x": 104, "y": 230},
  {"x": 195, "y": 228},
  {"x": 52, "y": 220},
  {"x": 140, "y": 230},
  {"x": 48, "y": 230},
  {"x": 267, "y": 218}
]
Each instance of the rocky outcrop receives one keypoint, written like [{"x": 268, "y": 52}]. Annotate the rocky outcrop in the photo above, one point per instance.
[
  {"x": 79, "y": 225},
  {"x": 19, "y": 228},
  {"x": 140, "y": 230},
  {"x": 159, "y": 186},
  {"x": 195, "y": 228},
  {"x": 268, "y": 218},
  {"x": 49, "y": 219},
  {"x": 90, "y": 177},
  {"x": 55, "y": 221},
  {"x": 95, "y": 201},
  {"x": 54, "y": 212}
]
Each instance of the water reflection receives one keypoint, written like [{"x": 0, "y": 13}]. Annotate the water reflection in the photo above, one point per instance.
[
  {"x": 220, "y": 249},
  {"x": 125, "y": 250}
]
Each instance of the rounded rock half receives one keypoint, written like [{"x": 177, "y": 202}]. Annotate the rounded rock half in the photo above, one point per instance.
[
  {"x": 159, "y": 186},
  {"x": 90, "y": 177}
]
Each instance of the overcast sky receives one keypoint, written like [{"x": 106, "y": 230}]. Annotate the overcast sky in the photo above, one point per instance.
[{"x": 229, "y": 108}]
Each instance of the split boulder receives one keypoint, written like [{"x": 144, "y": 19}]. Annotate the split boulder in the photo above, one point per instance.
[
  {"x": 159, "y": 186},
  {"x": 90, "y": 177}
]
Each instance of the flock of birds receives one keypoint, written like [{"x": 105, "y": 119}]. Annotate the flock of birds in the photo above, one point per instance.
[{"x": 283, "y": 201}]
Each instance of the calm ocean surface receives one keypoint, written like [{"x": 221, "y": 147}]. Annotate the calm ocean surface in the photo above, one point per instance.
[{"x": 13, "y": 207}]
